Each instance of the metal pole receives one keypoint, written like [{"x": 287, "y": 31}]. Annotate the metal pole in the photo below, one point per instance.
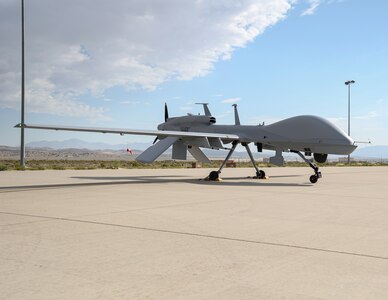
[
  {"x": 22, "y": 147},
  {"x": 348, "y": 83},
  {"x": 349, "y": 118}
]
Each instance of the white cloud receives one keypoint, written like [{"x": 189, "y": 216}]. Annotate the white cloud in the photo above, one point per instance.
[
  {"x": 370, "y": 115},
  {"x": 186, "y": 108},
  {"x": 231, "y": 100},
  {"x": 130, "y": 102},
  {"x": 313, "y": 5},
  {"x": 75, "y": 47},
  {"x": 224, "y": 114}
]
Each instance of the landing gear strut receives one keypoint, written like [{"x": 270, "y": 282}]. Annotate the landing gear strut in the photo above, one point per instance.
[
  {"x": 260, "y": 174},
  {"x": 214, "y": 175},
  {"x": 313, "y": 178}
]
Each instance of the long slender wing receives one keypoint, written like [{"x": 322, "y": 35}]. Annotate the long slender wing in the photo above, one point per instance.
[{"x": 160, "y": 133}]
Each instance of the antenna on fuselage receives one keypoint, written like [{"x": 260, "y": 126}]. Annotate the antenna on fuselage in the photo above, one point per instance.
[
  {"x": 205, "y": 108},
  {"x": 236, "y": 117}
]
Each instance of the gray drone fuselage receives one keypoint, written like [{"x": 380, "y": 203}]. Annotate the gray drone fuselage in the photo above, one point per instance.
[{"x": 301, "y": 133}]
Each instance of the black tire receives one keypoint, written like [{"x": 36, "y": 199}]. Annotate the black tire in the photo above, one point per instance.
[
  {"x": 213, "y": 176},
  {"x": 260, "y": 174},
  {"x": 313, "y": 178}
]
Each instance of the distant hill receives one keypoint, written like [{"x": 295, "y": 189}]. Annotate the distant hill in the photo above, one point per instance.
[
  {"x": 372, "y": 152},
  {"x": 80, "y": 144}
]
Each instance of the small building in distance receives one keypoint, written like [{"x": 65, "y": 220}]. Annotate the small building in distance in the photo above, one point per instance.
[{"x": 345, "y": 159}]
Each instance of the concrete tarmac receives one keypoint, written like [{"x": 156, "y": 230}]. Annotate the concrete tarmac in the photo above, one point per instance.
[{"x": 164, "y": 234}]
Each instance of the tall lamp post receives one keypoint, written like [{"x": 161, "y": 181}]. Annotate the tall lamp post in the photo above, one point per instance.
[
  {"x": 349, "y": 83},
  {"x": 22, "y": 147}
]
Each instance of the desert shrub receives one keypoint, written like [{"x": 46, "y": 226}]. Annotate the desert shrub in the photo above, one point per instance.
[
  {"x": 37, "y": 168},
  {"x": 58, "y": 167},
  {"x": 115, "y": 165},
  {"x": 134, "y": 164}
]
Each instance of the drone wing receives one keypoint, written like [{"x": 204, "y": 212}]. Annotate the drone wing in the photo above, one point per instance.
[
  {"x": 167, "y": 138},
  {"x": 159, "y": 133}
]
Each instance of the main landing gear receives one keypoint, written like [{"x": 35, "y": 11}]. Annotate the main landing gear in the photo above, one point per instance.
[
  {"x": 313, "y": 178},
  {"x": 214, "y": 175},
  {"x": 260, "y": 174}
]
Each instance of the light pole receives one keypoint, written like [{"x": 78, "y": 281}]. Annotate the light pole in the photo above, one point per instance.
[
  {"x": 349, "y": 83},
  {"x": 22, "y": 147}
]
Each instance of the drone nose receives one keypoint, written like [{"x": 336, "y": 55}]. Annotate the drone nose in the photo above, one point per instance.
[
  {"x": 349, "y": 140},
  {"x": 349, "y": 143}
]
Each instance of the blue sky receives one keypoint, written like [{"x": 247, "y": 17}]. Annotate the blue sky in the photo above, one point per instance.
[{"x": 275, "y": 59}]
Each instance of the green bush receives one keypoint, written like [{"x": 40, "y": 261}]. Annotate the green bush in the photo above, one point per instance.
[{"x": 58, "y": 167}]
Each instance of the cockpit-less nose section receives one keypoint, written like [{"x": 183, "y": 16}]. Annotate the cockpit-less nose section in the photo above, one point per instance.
[{"x": 303, "y": 135}]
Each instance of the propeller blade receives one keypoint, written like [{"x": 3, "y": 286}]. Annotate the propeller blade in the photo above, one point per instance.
[
  {"x": 155, "y": 140},
  {"x": 165, "y": 112}
]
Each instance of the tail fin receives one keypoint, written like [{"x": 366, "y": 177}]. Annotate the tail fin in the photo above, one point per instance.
[
  {"x": 236, "y": 117},
  {"x": 205, "y": 109}
]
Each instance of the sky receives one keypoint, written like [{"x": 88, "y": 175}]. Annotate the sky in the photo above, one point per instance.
[{"x": 115, "y": 63}]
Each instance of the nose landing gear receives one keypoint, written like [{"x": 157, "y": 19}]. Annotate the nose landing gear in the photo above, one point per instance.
[
  {"x": 313, "y": 178},
  {"x": 260, "y": 174}
]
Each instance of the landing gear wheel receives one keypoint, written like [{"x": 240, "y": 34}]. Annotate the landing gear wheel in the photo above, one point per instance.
[
  {"x": 213, "y": 176},
  {"x": 313, "y": 178},
  {"x": 260, "y": 174}
]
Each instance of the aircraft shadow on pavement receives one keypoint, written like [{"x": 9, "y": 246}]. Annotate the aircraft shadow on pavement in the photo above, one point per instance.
[
  {"x": 188, "y": 179},
  {"x": 250, "y": 182},
  {"x": 128, "y": 180}
]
